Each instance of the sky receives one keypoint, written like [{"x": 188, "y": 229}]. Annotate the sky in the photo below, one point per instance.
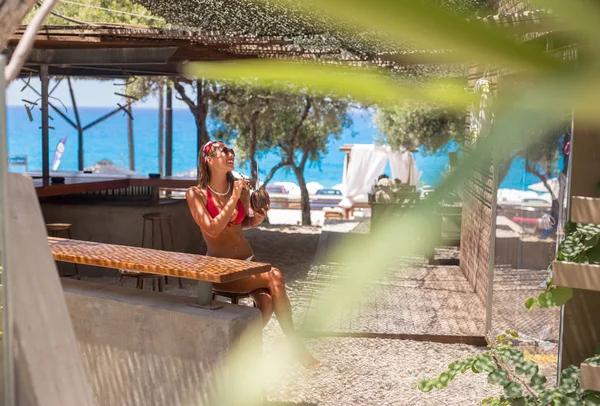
[{"x": 88, "y": 93}]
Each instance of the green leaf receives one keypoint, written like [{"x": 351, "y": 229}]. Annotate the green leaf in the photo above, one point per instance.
[
  {"x": 592, "y": 399},
  {"x": 519, "y": 401},
  {"x": 513, "y": 389},
  {"x": 545, "y": 300},
  {"x": 570, "y": 400},
  {"x": 538, "y": 382},
  {"x": 458, "y": 366},
  {"x": 530, "y": 303},
  {"x": 513, "y": 333},
  {"x": 444, "y": 379},
  {"x": 555, "y": 296},
  {"x": 425, "y": 385},
  {"x": 547, "y": 396},
  {"x": 438, "y": 383},
  {"x": 485, "y": 363},
  {"x": 511, "y": 355},
  {"x": 569, "y": 379},
  {"x": 561, "y": 295},
  {"x": 364, "y": 85},
  {"x": 527, "y": 368},
  {"x": 498, "y": 377}
]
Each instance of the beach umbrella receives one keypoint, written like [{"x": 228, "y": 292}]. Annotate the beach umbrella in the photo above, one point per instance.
[
  {"x": 291, "y": 187},
  {"x": 313, "y": 187},
  {"x": 539, "y": 187}
]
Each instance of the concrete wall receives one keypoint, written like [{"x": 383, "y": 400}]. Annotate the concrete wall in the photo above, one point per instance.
[
  {"x": 148, "y": 348},
  {"x": 121, "y": 223}
]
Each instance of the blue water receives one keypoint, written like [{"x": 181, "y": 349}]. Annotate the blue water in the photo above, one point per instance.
[{"x": 108, "y": 140}]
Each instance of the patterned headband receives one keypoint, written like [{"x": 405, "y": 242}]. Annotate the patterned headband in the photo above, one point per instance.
[{"x": 205, "y": 151}]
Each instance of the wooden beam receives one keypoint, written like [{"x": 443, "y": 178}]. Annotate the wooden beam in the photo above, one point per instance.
[
  {"x": 102, "y": 57},
  {"x": 478, "y": 341}
]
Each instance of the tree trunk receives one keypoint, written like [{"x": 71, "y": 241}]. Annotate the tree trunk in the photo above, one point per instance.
[
  {"x": 531, "y": 169},
  {"x": 273, "y": 170},
  {"x": 200, "y": 114},
  {"x": 252, "y": 151},
  {"x": 304, "y": 198}
]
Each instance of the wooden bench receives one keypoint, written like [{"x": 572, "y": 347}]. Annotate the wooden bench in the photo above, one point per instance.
[{"x": 206, "y": 270}]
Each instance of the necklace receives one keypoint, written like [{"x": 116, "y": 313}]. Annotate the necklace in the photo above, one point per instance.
[{"x": 221, "y": 194}]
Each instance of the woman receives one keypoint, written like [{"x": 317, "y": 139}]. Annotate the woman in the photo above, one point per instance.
[{"x": 219, "y": 205}]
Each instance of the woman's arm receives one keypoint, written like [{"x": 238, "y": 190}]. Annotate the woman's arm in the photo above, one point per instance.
[
  {"x": 250, "y": 222},
  {"x": 211, "y": 226}
]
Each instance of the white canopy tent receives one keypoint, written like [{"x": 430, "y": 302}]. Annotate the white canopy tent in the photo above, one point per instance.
[{"x": 366, "y": 162}]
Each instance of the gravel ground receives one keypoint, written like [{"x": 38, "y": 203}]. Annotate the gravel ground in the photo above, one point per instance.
[
  {"x": 355, "y": 371},
  {"x": 372, "y": 371}
]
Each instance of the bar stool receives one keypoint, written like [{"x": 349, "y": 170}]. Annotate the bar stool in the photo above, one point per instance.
[
  {"x": 140, "y": 276},
  {"x": 234, "y": 297},
  {"x": 54, "y": 230},
  {"x": 160, "y": 218}
]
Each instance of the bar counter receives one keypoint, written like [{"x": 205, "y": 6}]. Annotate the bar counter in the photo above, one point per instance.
[
  {"x": 80, "y": 183},
  {"x": 109, "y": 208}
]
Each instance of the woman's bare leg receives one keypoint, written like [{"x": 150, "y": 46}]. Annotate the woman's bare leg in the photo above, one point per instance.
[
  {"x": 273, "y": 281},
  {"x": 264, "y": 302}
]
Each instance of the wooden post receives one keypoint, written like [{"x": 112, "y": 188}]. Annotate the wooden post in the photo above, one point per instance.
[
  {"x": 45, "y": 129},
  {"x": 169, "y": 132},
  {"x": 161, "y": 127},
  {"x": 130, "y": 139}
]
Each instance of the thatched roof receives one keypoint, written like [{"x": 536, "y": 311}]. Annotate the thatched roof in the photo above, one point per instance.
[{"x": 318, "y": 31}]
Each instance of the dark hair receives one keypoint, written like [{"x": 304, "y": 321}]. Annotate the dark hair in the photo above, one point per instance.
[
  {"x": 204, "y": 170},
  {"x": 384, "y": 176}
]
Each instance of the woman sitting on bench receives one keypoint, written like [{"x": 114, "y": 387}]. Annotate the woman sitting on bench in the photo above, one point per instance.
[{"x": 219, "y": 205}]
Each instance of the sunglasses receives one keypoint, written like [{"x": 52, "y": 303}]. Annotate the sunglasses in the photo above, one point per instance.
[{"x": 224, "y": 150}]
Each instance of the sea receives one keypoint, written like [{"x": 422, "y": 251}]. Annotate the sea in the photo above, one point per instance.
[{"x": 108, "y": 140}]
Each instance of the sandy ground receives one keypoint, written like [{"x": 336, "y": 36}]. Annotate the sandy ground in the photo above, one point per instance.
[{"x": 355, "y": 371}]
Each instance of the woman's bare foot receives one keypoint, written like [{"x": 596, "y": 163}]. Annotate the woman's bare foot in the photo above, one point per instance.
[
  {"x": 309, "y": 361},
  {"x": 305, "y": 357}
]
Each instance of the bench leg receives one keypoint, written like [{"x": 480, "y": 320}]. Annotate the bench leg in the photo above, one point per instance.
[
  {"x": 204, "y": 293},
  {"x": 205, "y": 296}
]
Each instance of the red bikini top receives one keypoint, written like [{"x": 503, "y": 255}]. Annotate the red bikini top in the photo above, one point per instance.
[{"x": 214, "y": 212}]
